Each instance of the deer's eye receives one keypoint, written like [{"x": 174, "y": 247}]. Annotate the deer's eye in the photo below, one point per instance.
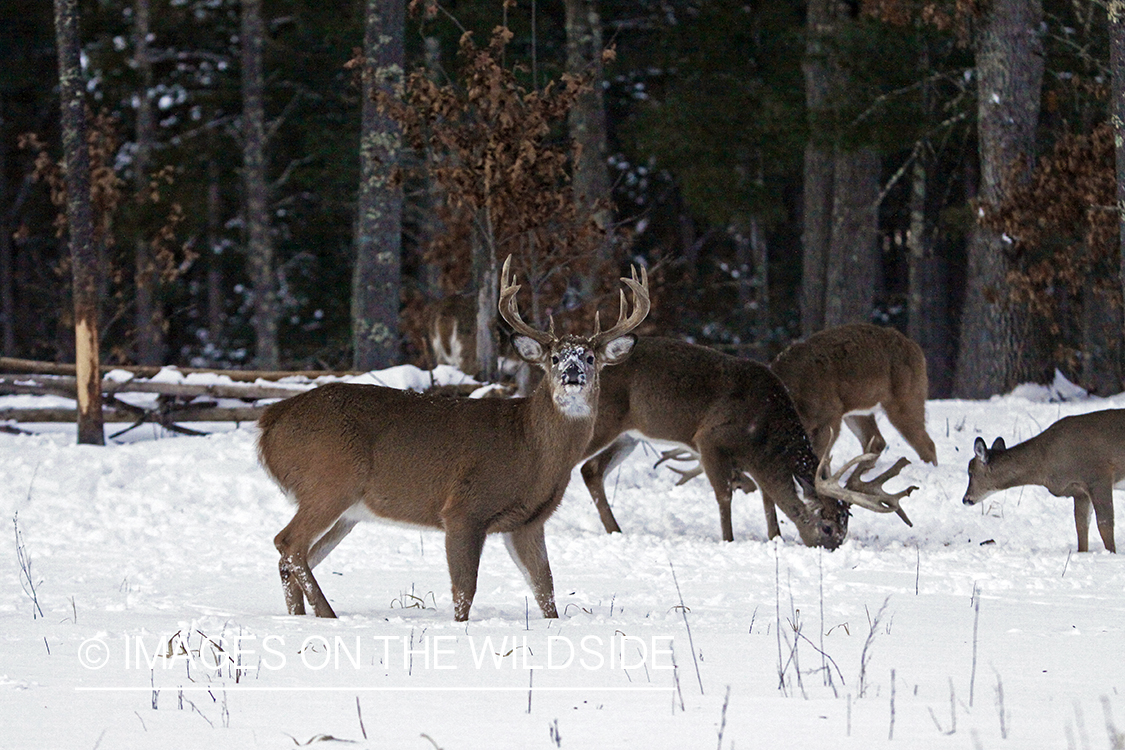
[
  {"x": 589, "y": 359},
  {"x": 554, "y": 359}
]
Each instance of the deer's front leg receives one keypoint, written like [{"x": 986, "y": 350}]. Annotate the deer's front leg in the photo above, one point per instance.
[
  {"x": 464, "y": 541},
  {"x": 528, "y": 549},
  {"x": 1082, "y": 518}
]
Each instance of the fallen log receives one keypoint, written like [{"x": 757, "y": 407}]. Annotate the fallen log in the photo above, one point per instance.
[
  {"x": 16, "y": 365},
  {"x": 65, "y": 385},
  {"x": 187, "y": 414}
]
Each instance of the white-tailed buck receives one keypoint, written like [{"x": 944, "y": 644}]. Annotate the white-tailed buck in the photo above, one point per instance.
[
  {"x": 846, "y": 373},
  {"x": 1082, "y": 457},
  {"x": 471, "y": 467},
  {"x": 737, "y": 417}
]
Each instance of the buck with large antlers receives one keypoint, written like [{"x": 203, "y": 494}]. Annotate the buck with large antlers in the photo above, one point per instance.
[
  {"x": 1082, "y": 457},
  {"x": 737, "y": 417},
  {"x": 472, "y": 467},
  {"x": 846, "y": 373}
]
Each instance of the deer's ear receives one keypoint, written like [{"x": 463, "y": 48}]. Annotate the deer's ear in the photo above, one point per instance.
[
  {"x": 528, "y": 348},
  {"x": 617, "y": 350},
  {"x": 980, "y": 450},
  {"x": 998, "y": 445}
]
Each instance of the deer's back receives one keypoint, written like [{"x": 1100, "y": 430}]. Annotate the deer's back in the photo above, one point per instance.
[
  {"x": 852, "y": 367},
  {"x": 1085, "y": 446},
  {"x": 673, "y": 390}
]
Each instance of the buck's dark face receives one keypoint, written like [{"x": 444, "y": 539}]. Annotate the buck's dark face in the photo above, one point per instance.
[
  {"x": 831, "y": 522},
  {"x": 572, "y": 364},
  {"x": 828, "y": 517}
]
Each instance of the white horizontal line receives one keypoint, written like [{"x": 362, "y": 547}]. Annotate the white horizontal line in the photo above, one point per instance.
[{"x": 364, "y": 689}]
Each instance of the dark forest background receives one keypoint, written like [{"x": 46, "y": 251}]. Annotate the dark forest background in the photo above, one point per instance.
[{"x": 947, "y": 168}]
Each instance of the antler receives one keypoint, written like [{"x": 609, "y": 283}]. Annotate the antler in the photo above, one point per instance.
[
  {"x": 510, "y": 310},
  {"x": 740, "y": 480},
  {"x": 681, "y": 454},
  {"x": 640, "y": 309},
  {"x": 866, "y": 494}
]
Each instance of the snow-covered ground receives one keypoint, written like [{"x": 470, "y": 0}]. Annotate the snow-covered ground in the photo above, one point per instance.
[{"x": 163, "y": 623}]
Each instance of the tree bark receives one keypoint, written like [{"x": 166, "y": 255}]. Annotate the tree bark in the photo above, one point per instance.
[
  {"x": 995, "y": 337},
  {"x": 587, "y": 123},
  {"x": 148, "y": 316},
  {"x": 853, "y": 253},
  {"x": 587, "y": 117},
  {"x": 80, "y": 223},
  {"x": 7, "y": 286},
  {"x": 1116, "y": 11},
  {"x": 376, "y": 277},
  {"x": 259, "y": 241},
  {"x": 818, "y": 170},
  {"x": 486, "y": 283},
  {"x": 215, "y": 315}
]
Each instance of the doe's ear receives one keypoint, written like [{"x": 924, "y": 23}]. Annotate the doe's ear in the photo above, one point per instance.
[
  {"x": 529, "y": 349},
  {"x": 980, "y": 450},
  {"x": 617, "y": 350},
  {"x": 998, "y": 445}
]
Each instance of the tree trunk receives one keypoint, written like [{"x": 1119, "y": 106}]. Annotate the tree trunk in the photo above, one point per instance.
[
  {"x": 7, "y": 285},
  {"x": 1116, "y": 10},
  {"x": 853, "y": 252},
  {"x": 1101, "y": 334},
  {"x": 259, "y": 242},
  {"x": 80, "y": 223},
  {"x": 148, "y": 315},
  {"x": 1009, "y": 65},
  {"x": 818, "y": 171},
  {"x": 587, "y": 122},
  {"x": 214, "y": 260},
  {"x": 486, "y": 283},
  {"x": 376, "y": 278}
]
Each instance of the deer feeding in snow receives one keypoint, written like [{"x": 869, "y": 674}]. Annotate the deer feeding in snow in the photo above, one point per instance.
[
  {"x": 471, "y": 467},
  {"x": 846, "y": 373},
  {"x": 1082, "y": 457},
  {"x": 736, "y": 417}
]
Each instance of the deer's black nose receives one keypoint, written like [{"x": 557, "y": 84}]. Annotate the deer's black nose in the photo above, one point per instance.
[{"x": 573, "y": 375}]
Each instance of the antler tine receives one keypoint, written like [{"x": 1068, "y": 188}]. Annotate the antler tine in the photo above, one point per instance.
[
  {"x": 887, "y": 501},
  {"x": 681, "y": 454},
  {"x": 624, "y": 324},
  {"x": 509, "y": 309},
  {"x": 866, "y": 494}
]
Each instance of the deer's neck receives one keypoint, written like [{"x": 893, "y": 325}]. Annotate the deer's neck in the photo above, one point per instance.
[
  {"x": 1025, "y": 463},
  {"x": 562, "y": 423}
]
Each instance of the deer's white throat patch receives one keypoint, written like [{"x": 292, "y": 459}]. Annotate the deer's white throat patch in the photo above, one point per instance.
[{"x": 573, "y": 401}]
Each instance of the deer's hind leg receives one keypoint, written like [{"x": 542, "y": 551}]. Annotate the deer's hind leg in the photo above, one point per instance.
[
  {"x": 719, "y": 468},
  {"x": 909, "y": 417},
  {"x": 311, "y": 523},
  {"x": 1101, "y": 495},
  {"x": 528, "y": 549}
]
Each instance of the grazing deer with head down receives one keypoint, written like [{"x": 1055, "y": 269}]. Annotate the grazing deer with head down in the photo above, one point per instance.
[
  {"x": 1082, "y": 457},
  {"x": 846, "y": 373},
  {"x": 737, "y": 417},
  {"x": 347, "y": 452}
]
